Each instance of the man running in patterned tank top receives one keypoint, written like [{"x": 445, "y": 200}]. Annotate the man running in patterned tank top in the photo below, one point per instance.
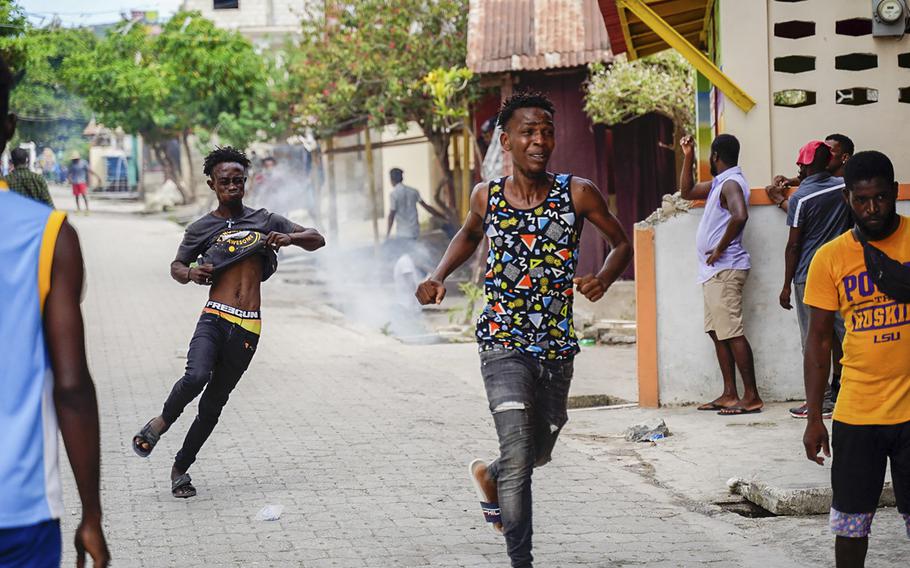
[
  {"x": 526, "y": 338},
  {"x": 236, "y": 250}
]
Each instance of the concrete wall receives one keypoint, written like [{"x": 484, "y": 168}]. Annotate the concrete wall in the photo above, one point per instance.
[
  {"x": 686, "y": 364},
  {"x": 743, "y": 50},
  {"x": 748, "y": 47}
]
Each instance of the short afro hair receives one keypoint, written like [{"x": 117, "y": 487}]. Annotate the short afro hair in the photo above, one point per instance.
[
  {"x": 867, "y": 166},
  {"x": 726, "y": 146},
  {"x": 845, "y": 143},
  {"x": 524, "y": 99},
  {"x": 224, "y": 154}
]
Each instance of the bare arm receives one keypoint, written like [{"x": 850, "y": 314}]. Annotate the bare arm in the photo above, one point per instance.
[
  {"x": 201, "y": 274},
  {"x": 688, "y": 189},
  {"x": 732, "y": 200},
  {"x": 388, "y": 230},
  {"x": 74, "y": 392},
  {"x": 463, "y": 245},
  {"x": 591, "y": 206},
  {"x": 791, "y": 260},
  {"x": 305, "y": 238},
  {"x": 816, "y": 365},
  {"x": 431, "y": 210}
]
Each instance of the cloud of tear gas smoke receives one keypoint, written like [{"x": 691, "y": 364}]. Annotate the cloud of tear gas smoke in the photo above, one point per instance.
[
  {"x": 369, "y": 286},
  {"x": 377, "y": 288}
]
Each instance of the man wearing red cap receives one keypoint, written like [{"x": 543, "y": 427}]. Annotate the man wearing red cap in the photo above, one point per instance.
[{"x": 816, "y": 214}]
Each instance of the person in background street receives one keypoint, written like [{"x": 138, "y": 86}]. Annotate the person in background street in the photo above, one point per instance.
[
  {"x": 723, "y": 267},
  {"x": 78, "y": 174},
  {"x": 872, "y": 417},
  {"x": 26, "y": 182},
  {"x": 237, "y": 246},
  {"x": 45, "y": 380},
  {"x": 48, "y": 163},
  {"x": 403, "y": 207},
  {"x": 816, "y": 214},
  {"x": 525, "y": 333}
]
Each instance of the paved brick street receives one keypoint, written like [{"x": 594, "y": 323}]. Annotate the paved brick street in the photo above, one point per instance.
[{"x": 363, "y": 440}]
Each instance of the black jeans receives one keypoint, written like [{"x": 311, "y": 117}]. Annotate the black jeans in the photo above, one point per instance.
[
  {"x": 528, "y": 398},
  {"x": 220, "y": 352}
]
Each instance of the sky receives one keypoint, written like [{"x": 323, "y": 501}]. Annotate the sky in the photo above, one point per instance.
[{"x": 76, "y": 12}]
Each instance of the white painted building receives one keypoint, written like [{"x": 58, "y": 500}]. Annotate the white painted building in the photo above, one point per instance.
[{"x": 265, "y": 22}]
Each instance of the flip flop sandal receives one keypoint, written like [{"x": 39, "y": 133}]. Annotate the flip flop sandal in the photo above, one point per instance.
[
  {"x": 182, "y": 487},
  {"x": 147, "y": 435},
  {"x": 491, "y": 512},
  {"x": 738, "y": 411}
]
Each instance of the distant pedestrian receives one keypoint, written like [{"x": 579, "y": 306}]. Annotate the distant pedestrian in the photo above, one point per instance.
[
  {"x": 525, "y": 333},
  {"x": 816, "y": 214},
  {"x": 872, "y": 417},
  {"x": 26, "y": 182},
  {"x": 78, "y": 174},
  {"x": 45, "y": 381},
  {"x": 403, "y": 207},
  {"x": 723, "y": 267},
  {"x": 233, "y": 250},
  {"x": 48, "y": 163}
]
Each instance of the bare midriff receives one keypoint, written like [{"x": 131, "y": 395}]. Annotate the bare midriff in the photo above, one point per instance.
[{"x": 239, "y": 284}]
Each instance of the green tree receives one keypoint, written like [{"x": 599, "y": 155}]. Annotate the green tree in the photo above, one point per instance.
[
  {"x": 14, "y": 24},
  {"x": 662, "y": 83},
  {"x": 164, "y": 86},
  {"x": 50, "y": 114},
  {"x": 366, "y": 61}
]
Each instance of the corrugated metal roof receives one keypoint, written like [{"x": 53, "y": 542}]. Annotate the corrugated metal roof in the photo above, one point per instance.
[{"x": 527, "y": 35}]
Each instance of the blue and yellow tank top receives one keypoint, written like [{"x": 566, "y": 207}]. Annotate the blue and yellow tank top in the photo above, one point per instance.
[
  {"x": 30, "y": 490},
  {"x": 530, "y": 265}
]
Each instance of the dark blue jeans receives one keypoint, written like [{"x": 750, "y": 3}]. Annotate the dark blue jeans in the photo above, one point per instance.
[
  {"x": 528, "y": 399},
  {"x": 220, "y": 352}
]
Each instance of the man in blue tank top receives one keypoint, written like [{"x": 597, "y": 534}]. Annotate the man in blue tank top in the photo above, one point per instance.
[
  {"x": 45, "y": 380},
  {"x": 533, "y": 220}
]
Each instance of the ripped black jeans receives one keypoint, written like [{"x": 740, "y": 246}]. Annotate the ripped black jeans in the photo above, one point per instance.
[
  {"x": 528, "y": 398},
  {"x": 220, "y": 352}
]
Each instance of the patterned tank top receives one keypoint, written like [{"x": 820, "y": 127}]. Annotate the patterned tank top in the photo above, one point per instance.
[{"x": 530, "y": 266}]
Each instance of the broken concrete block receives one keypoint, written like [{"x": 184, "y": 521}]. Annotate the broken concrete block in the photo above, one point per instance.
[{"x": 794, "y": 499}]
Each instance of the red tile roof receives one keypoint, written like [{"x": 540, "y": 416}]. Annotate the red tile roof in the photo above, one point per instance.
[{"x": 526, "y": 35}]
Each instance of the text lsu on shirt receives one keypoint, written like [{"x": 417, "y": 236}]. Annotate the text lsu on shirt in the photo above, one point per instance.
[{"x": 875, "y": 384}]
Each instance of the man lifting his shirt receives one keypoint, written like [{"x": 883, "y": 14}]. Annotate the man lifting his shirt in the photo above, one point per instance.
[{"x": 232, "y": 249}]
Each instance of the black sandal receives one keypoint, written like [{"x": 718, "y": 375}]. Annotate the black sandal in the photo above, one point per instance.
[
  {"x": 148, "y": 436},
  {"x": 182, "y": 487}
]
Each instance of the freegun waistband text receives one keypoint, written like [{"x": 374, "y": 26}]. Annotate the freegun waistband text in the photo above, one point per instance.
[{"x": 247, "y": 319}]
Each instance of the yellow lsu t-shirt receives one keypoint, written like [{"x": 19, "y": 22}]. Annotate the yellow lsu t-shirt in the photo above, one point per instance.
[{"x": 875, "y": 384}]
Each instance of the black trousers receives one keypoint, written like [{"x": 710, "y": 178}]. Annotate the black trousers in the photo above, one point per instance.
[{"x": 220, "y": 352}]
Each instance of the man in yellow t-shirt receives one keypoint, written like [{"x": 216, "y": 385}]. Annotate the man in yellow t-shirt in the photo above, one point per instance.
[{"x": 872, "y": 416}]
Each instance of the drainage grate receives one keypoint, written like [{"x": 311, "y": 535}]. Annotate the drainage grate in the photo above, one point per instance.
[{"x": 745, "y": 508}]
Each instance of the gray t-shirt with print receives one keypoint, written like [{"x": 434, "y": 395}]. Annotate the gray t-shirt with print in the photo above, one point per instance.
[{"x": 202, "y": 233}]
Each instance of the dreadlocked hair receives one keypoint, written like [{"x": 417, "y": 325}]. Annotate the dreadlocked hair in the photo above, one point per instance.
[
  {"x": 524, "y": 99},
  {"x": 221, "y": 155}
]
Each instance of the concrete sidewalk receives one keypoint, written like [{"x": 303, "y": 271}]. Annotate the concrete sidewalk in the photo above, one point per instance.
[{"x": 705, "y": 450}]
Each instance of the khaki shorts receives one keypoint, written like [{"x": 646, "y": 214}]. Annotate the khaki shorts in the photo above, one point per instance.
[{"x": 724, "y": 303}]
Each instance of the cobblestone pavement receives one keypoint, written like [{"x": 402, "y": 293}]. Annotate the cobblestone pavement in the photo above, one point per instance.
[{"x": 363, "y": 440}]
